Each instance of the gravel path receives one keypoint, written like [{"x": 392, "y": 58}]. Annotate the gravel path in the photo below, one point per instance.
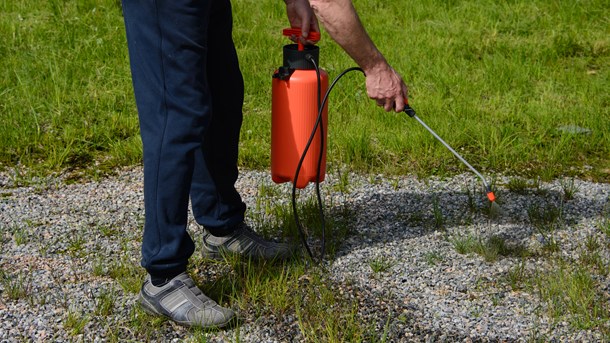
[{"x": 62, "y": 243}]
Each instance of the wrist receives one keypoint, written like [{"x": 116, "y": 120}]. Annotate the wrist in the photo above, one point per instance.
[{"x": 375, "y": 65}]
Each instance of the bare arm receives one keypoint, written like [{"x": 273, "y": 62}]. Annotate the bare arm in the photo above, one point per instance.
[{"x": 339, "y": 17}]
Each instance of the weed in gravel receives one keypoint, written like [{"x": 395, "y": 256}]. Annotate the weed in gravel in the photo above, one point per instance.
[
  {"x": 107, "y": 231},
  {"x": 325, "y": 315},
  {"x": 517, "y": 276},
  {"x": 281, "y": 219},
  {"x": 395, "y": 182},
  {"x": 572, "y": 294},
  {"x": 490, "y": 249},
  {"x": 464, "y": 244},
  {"x": 494, "y": 247},
  {"x": 592, "y": 258},
  {"x": 375, "y": 179},
  {"x": 546, "y": 219},
  {"x": 261, "y": 289},
  {"x": 268, "y": 190},
  {"x": 99, "y": 267},
  {"x": 201, "y": 336},
  {"x": 471, "y": 202},
  {"x": 518, "y": 185},
  {"x": 128, "y": 274},
  {"x": 104, "y": 302},
  {"x": 437, "y": 214},
  {"x": 76, "y": 246},
  {"x": 433, "y": 257},
  {"x": 595, "y": 262},
  {"x": 381, "y": 264},
  {"x": 145, "y": 327},
  {"x": 539, "y": 187},
  {"x": 16, "y": 286},
  {"x": 568, "y": 188},
  {"x": 75, "y": 322},
  {"x": 343, "y": 182},
  {"x": 604, "y": 221},
  {"x": 20, "y": 236}
]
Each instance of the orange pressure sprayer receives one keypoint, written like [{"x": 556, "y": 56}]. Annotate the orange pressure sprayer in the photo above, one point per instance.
[{"x": 294, "y": 113}]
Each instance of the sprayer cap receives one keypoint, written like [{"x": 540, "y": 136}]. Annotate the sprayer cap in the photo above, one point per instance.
[{"x": 293, "y": 31}]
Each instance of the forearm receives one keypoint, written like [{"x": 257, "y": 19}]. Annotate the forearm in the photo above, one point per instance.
[{"x": 341, "y": 21}]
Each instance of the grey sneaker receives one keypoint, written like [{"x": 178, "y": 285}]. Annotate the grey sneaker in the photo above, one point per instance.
[
  {"x": 183, "y": 302},
  {"x": 246, "y": 243}
]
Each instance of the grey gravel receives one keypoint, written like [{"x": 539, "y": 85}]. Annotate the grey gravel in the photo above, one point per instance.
[{"x": 59, "y": 240}]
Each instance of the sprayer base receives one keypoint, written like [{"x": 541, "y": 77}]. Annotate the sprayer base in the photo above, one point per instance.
[{"x": 301, "y": 182}]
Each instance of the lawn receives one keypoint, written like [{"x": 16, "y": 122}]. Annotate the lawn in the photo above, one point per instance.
[{"x": 519, "y": 88}]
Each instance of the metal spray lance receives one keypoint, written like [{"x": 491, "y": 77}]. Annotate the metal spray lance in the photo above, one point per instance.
[{"x": 495, "y": 208}]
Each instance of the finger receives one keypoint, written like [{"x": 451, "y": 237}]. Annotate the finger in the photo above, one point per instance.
[
  {"x": 314, "y": 24},
  {"x": 399, "y": 104},
  {"x": 388, "y": 105},
  {"x": 305, "y": 29}
]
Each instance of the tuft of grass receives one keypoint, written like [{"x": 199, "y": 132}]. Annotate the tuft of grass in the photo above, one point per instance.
[
  {"x": 340, "y": 317},
  {"x": 437, "y": 214},
  {"x": 107, "y": 231},
  {"x": 591, "y": 257},
  {"x": 128, "y": 274},
  {"x": 99, "y": 266},
  {"x": 433, "y": 258},
  {"x": 16, "y": 286},
  {"x": 76, "y": 245},
  {"x": 75, "y": 322},
  {"x": 20, "y": 236},
  {"x": 546, "y": 219},
  {"x": 518, "y": 185},
  {"x": 145, "y": 327},
  {"x": 490, "y": 249},
  {"x": 604, "y": 220},
  {"x": 343, "y": 183},
  {"x": 104, "y": 302},
  {"x": 273, "y": 217},
  {"x": 380, "y": 264},
  {"x": 517, "y": 276},
  {"x": 324, "y": 312},
  {"x": 572, "y": 294},
  {"x": 568, "y": 188}
]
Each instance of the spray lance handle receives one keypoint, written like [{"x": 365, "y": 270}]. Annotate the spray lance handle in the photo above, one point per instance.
[
  {"x": 312, "y": 36},
  {"x": 408, "y": 109}
]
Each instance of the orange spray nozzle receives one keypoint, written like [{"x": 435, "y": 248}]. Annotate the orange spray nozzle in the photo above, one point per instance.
[{"x": 491, "y": 196}]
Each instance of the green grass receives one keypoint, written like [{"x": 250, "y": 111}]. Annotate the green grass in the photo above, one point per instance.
[
  {"x": 495, "y": 79},
  {"x": 76, "y": 322},
  {"x": 490, "y": 248},
  {"x": 571, "y": 292}
]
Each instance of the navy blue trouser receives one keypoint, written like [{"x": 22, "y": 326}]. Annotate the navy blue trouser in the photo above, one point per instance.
[{"x": 189, "y": 95}]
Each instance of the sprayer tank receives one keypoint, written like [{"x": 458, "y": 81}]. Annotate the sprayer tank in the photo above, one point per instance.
[{"x": 294, "y": 114}]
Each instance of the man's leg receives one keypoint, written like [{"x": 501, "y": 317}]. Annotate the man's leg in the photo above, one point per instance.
[
  {"x": 216, "y": 203},
  {"x": 168, "y": 46}
]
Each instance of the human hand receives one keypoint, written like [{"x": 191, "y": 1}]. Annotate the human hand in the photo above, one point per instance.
[
  {"x": 301, "y": 15},
  {"x": 386, "y": 87}
]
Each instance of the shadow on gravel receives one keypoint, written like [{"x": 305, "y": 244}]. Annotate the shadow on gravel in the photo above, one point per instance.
[{"x": 380, "y": 218}]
